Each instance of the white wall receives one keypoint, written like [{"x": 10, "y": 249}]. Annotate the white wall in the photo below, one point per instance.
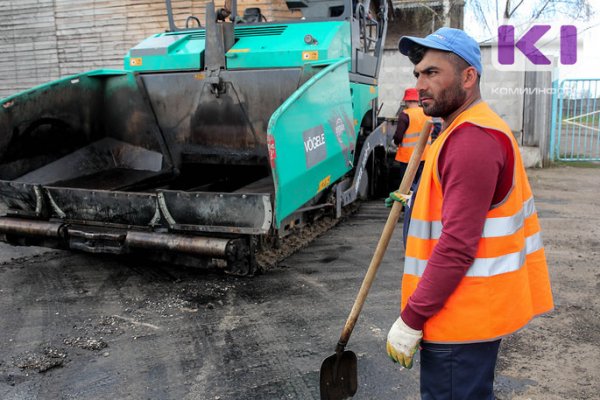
[{"x": 397, "y": 74}]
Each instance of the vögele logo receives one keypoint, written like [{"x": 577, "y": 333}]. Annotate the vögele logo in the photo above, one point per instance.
[{"x": 535, "y": 48}]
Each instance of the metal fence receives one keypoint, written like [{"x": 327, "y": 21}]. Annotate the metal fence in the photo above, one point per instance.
[{"x": 576, "y": 121}]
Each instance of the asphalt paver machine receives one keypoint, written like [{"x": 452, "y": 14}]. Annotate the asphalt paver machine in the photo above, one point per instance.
[{"x": 212, "y": 142}]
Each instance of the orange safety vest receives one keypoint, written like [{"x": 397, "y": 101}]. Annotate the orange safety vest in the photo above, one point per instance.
[
  {"x": 508, "y": 283},
  {"x": 416, "y": 120}
]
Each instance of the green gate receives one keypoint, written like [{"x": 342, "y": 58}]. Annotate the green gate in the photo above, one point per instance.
[{"x": 575, "y": 134}]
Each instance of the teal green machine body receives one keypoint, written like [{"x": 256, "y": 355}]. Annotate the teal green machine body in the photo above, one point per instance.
[{"x": 232, "y": 131}]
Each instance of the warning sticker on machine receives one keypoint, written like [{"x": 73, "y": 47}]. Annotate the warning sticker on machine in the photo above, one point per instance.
[
  {"x": 325, "y": 182},
  {"x": 310, "y": 55},
  {"x": 340, "y": 129},
  {"x": 314, "y": 146}
]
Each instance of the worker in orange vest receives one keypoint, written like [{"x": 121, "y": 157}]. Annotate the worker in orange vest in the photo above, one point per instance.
[
  {"x": 410, "y": 122},
  {"x": 474, "y": 269}
]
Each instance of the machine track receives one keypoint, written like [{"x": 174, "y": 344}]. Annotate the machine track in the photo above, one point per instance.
[{"x": 269, "y": 257}]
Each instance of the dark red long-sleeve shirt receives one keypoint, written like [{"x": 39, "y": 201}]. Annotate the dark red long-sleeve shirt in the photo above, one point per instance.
[
  {"x": 402, "y": 124},
  {"x": 476, "y": 171}
]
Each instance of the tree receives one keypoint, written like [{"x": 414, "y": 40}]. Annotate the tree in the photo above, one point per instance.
[{"x": 492, "y": 13}]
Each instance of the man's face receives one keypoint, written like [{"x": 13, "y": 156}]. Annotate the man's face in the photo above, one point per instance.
[{"x": 439, "y": 84}]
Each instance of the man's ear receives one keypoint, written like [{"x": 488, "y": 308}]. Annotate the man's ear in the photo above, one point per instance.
[{"x": 470, "y": 77}]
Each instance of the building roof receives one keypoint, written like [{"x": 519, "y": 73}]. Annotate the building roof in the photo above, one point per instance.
[{"x": 410, "y": 4}]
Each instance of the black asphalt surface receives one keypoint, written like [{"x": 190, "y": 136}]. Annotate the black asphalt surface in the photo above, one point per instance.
[{"x": 102, "y": 327}]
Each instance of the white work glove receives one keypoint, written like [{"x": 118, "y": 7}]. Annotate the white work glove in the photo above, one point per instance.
[{"x": 403, "y": 343}]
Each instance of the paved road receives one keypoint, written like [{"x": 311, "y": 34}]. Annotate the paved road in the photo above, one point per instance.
[{"x": 173, "y": 333}]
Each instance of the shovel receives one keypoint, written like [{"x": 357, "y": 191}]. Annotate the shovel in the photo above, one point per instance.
[{"x": 339, "y": 378}]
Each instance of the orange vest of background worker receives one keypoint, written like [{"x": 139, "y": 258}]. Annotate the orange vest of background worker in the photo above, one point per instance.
[
  {"x": 407, "y": 139},
  {"x": 508, "y": 283}
]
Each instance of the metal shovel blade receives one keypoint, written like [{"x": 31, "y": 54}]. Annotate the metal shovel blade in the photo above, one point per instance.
[{"x": 339, "y": 377}]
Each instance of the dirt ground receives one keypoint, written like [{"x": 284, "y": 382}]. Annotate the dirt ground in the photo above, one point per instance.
[
  {"x": 78, "y": 326},
  {"x": 560, "y": 352}
]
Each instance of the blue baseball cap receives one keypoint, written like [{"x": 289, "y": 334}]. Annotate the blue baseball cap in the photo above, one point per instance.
[{"x": 447, "y": 39}]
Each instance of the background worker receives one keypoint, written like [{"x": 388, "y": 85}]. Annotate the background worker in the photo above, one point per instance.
[
  {"x": 410, "y": 122},
  {"x": 475, "y": 269}
]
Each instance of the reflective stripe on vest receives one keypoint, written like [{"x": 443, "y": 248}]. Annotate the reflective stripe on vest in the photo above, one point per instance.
[
  {"x": 483, "y": 267},
  {"x": 508, "y": 283},
  {"x": 416, "y": 120},
  {"x": 410, "y": 145},
  {"x": 494, "y": 227}
]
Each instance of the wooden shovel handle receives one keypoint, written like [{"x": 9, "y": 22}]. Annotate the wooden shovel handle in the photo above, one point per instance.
[{"x": 386, "y": 235}]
